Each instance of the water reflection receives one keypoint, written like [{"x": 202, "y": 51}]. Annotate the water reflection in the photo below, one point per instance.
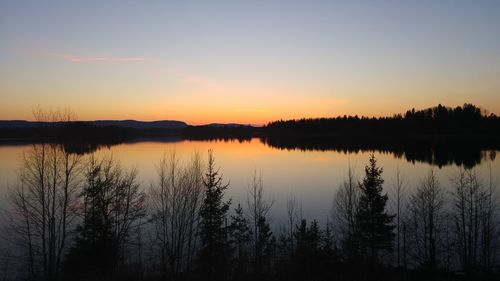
[
  {"x": 435, "y": 152},
  {"x": 438, "y": 153}
]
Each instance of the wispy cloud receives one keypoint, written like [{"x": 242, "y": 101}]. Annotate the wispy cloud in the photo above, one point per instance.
[{"x": 100, "y": 59}]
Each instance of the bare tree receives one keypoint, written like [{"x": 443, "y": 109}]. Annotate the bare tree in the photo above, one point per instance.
[
  {"x": 175, "y": 201},
  {"x": 344, "y": 211},
  {"x": 43, "y": 203},
  {"x": 258, "y": 206},
  {"x": 489, "y": 231},
  {"x": 292, "y": 210},
  {"x": 473, "y": 211},
  {"x": 426, "y": 215},
  {"x": 258, "y": 211},
  {"x": 112, "y": 205},
  {"x": 399, "y": 195}
]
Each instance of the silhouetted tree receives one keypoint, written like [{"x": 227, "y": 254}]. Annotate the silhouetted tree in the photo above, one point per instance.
[
  {"x": 240, "y": 235},
  {"x": 426, "y": 221},
  {"x": 308, "y": 251},
  {"x": 214, "y": 251},
  {"x": 330, "y": 256},
  {"x": 43, "y": 204},
  {"x": 374, "y": 224},
  {"x": 258, "y": 209},
  {"x": 175, "y": 200},
  {"x": 292, "y": 214},
  {"x": 345, "y": 207},
  {"x": 264, "y": 248},
  {"x": 399, "y": 198},
  {"x": 472, "y": 211},
  {"x": 490, "y": 230},
  {"x": 112, "y": 205},
  {"x": 436, "y": 120}
]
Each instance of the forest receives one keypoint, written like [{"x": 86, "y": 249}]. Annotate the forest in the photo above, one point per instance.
[{"x": 441, "y": 120}]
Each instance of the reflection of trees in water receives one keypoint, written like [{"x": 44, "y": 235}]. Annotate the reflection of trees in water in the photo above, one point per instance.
[
  {"x": 466, "y": 157},
  {"x": 240, "y": 139},
  {"x": 87, "y": 147},
  {"x": 82, "y": 148},
  {"x": 435, "y": 152}
]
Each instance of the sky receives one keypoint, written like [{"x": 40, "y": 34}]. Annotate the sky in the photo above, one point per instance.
[{"x": 246, "y": 61}]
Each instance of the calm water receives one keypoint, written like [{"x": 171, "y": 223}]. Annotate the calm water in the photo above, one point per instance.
[{"x": 311, "y": 176}]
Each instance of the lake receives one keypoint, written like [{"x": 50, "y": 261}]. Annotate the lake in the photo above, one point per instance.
[{"x": 312, "y": 176}]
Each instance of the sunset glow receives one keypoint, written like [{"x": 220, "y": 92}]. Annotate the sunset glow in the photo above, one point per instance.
[{"x": 228, "y": 61}]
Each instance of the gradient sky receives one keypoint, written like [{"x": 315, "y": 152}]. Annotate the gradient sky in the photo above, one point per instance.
[{"x": 246, "y": 61}]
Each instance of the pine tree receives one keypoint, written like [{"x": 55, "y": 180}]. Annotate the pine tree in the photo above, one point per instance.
[
  {"x": 112, "y": 205},
  {"x": 308, "y": 250},
  {"x": 374, "y": 224},
  {"x": 264, "y": 248},
  {"x": 214, "y": 253},
  {"x": 95, "y": 251},
  {"x": 240, "y": 235}
]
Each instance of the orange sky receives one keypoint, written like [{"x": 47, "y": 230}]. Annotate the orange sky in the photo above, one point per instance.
[{"x": 245, "y": 62}]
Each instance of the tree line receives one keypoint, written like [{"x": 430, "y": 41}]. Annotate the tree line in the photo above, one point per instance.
[
  {"x": 467, "y": 120},
  {"x": 439, "y": 120}
]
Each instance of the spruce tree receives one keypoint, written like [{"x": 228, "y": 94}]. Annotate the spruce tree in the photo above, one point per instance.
[
  {"x": 264, "y": 248},
  {"x": 308, "y": 250},
  {"x": 214, "y": 253},
  {"x": 111, "y": 206},
  {"x": 240, "y": 235},
  {"x": 95, "y": 251},
  {"x": 374, "y": 224}
]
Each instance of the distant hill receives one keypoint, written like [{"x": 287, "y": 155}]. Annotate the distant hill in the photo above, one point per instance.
[
  {"x": 17, "y": 124},
  {"x": 129, "y": 124},
  {"x": 133, "y": 124},
  {"x": 226, "y": 125}
]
